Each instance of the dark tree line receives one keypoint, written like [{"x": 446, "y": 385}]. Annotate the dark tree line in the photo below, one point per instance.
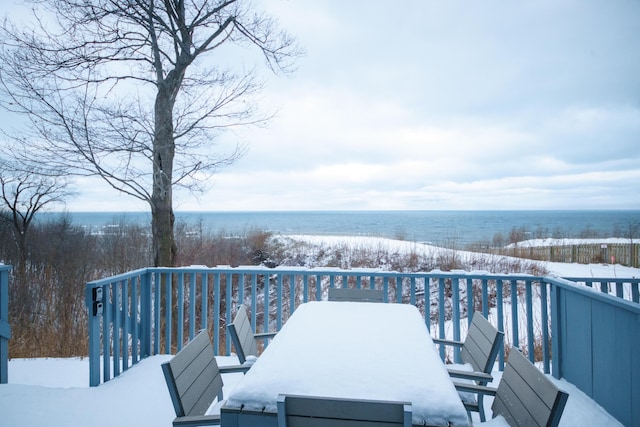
[
  {"x": 46, "y": 295},
  {"x": 48, "y": 315}
]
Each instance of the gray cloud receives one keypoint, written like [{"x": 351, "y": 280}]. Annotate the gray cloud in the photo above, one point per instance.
[{"x": 446, "y": 105}]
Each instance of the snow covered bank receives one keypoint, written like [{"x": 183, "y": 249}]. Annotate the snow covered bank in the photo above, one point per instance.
[{"x": 556, "y": 269}]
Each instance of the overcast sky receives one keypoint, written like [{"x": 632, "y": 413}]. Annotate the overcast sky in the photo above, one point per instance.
[{"x": 441, "y": 105}]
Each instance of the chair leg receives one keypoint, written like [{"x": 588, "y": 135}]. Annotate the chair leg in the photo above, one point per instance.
[
  {"x": 469, "y": 417},
  {"x": 481, "y": 408}
]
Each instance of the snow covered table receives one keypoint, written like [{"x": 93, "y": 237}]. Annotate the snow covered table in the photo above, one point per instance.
[{"x": 350, "y": 350}]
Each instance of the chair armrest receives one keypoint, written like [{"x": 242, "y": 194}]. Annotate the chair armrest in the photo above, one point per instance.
[
  {"x": 470, "y": 375},
  {"x": 265, "y": 335},
  {"x": 473, "y": 388},
  {"x": 234, "y": 368},
  {"x": 447, "y": 342},
  {"x": 197, "y": 420}
]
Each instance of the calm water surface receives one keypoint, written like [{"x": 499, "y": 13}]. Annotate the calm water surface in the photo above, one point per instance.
[{"x": 461, "y": 227}]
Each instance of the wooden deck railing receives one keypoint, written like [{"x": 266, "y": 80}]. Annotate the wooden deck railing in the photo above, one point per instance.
[
  {"x": 596, "y": 344},
  {"x": 5, "y": 329},
  {"x": 157, "y": 310}
]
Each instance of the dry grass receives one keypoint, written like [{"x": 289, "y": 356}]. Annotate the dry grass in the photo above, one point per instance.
[{"x": 47, "y": 311}]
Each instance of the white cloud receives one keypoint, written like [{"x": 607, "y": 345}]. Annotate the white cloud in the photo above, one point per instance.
[{"x": 444, "y": 105}]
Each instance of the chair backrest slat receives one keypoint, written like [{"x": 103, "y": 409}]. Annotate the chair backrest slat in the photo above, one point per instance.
[
  {"x": 311, "y": 411},
  {"x": 193, "y": 377},
  {"x": 482, "y": 344},
  {"x": 355, "y": 295},
  {"x": 242, "y": 335},
  {"x": 526, "y": 397}
]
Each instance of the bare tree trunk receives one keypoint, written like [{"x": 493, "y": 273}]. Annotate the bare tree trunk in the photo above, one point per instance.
[{"x": 164, "y": 247}]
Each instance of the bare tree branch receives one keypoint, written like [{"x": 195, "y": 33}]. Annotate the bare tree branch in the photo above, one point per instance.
[
  {"x": 24, "y": 193},
  {"x": 128, "y": 91}
]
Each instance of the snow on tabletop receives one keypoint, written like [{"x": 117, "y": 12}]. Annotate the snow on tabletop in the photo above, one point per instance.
[{"x": 354, "y": 350}]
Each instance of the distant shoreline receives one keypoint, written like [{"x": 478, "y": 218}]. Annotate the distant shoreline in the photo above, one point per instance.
[
  {"x": 444, "y": 227},
  {"x": 344, "y": 211}
]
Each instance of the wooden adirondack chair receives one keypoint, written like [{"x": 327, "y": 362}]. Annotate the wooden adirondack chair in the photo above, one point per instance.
[
  {"x": 525, "y": 396},
  {"x": 479, "y": 349},
  {"x": 195, "y": 381},
  {"x": 312, "y": 411},
  {"x": 357, "y": 295},
  {"x": 245, "y": 340}
]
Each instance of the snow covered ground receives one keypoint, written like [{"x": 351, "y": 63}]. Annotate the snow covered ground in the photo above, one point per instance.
[
  {"x": 55, "y": 392},
  {"x": 557, "y": 269}
]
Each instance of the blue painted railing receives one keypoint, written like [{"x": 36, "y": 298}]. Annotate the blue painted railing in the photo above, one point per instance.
[
  {"x": 596, "y": 345},
  {"x": 157, "y": 310},
  {"x": 5, "y": 329},
  {"x": 130, "y": 316},
  {"x": 628, "y": 289}
]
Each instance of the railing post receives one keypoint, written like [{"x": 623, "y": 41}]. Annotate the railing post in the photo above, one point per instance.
[
  {"x": 254, "y": 300},
  {"x": 204, "y": 302},
  {"x": 441, "y": 313},
  {"x": 180, "y": 312},
  {"x": 266, "y": 304},
  {"x": 556, "y": 328},
  {"x": 385, "y": 288},
  {"x": 485, "y": 297},
  {"x": 279, "y": 301},
  {"x": 292, "y": 294},
  {"x": 240, "y": 289},
  {"x": 115, "y": 319},
  {"x": 471, "y": 306},
  {"x": 107, "y": 302},
  {"x": 126, "y": 324},
  {"x": 146, "y": 317},
  {"x": 228, "y": 280},
  {"x": 529, "y": 304},
  {"x": 216, "y": 313},
  {"x": 5, "y": 328},
  {"x": 513, "y": 284},
  {"x": 455, "y": 315},
  {"x": 168, "y": 311},
  {"x": 305, "y": 288},
  {"x": 545, "y": 325},
  {"x": 157, "y": 309},
  {"x": 318, "y": 287},
  {"x": 412, "y": 291},
  {"x": 500, "y": 314},
  {"x": 95, "y": 314},
  {"x": 135, "y": 325},
  {"x": 427, "y": 302}
]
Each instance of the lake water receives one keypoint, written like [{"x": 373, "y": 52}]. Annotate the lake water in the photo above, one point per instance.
[{"x": 438, "y": 227}]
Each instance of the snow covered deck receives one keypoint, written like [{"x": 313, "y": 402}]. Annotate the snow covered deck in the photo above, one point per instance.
[
  {"x": 586, "y": 347},
  {"x": 350, "y": 350},
  {"x": 55, "y": 392}
]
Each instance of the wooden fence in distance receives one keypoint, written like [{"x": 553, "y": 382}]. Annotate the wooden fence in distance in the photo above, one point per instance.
[{"x": 612, "y": 253}]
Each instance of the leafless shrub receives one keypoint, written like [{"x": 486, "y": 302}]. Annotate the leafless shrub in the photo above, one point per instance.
[{"x": 47, "y": 311}]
